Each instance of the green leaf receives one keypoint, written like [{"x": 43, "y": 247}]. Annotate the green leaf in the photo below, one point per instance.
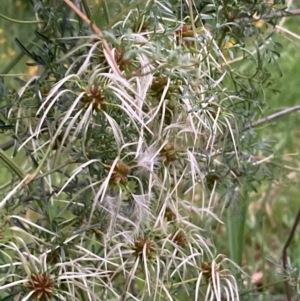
[
  {"x": 43, "y": 37},
  {"x": 24, "y": 50},
  {"x": 5, "y": 127},
  {"x": 10, "y": 297}
]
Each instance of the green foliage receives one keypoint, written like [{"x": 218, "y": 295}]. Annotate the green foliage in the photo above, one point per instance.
[{"x": 133, "y": 149}]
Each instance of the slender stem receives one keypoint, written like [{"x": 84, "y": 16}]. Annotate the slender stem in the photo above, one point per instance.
[
  {"x": 21, "y": 54},
  {"x": 277, "y": 14},
  {"x": 32, "y": 176},
  {"x": 288, "y": 32},
  {"x": 11, "y": 165},
  {"x": 106, "y": 11},
  {"x": 235, "y": 229},
  {"x": 20, "y": 21},
  {"x": 284, "y": 252},
  {"x": 271, "y": 117},
  {"x": 262, "y": 288},
  {"x": 280, "y": 14},
  {"x": 190, "y": 4},
  {"x": 7, "y": 145},
  {"x": 86, "y": 9},
  {"x": 18, "y": 57},
  {"x": 118, "y": 17},
  {"x": 70, "y": 187},
  {"x": 69, "y": 161},
  {"x": 96, "y": 30}
]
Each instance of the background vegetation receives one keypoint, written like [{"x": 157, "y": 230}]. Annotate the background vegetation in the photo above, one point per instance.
[{"x": 268, "y": 214}]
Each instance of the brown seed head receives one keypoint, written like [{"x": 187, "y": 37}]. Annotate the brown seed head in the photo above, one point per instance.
[
  {"x": 42, "y": 286},
  {"x": 142, "y": 243}
]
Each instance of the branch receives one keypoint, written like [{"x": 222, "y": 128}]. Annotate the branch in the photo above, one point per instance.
[
  {"x": 284, "y": 252},
  {"x": 266, "y": 17},
  {"x": 96, "y": 30},
  {"x": 278, "y": 14},
  {"x": 271, "y": 117}
]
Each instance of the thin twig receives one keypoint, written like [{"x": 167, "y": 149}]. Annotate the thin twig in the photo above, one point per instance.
[
  {"x": 117, "y": 18},
  {"x": 10, "y": 143},
  {"x": 86, "y": 9},
  {"x": 16, "y": 60},
  {"x": 271, "y": 117},
  {"x": 67, "y": 189},
  {"x": 96, "y": 30},
  {"x": 7, "y": 145},
  {"x": 288, "y": 32},
  {"x": 20, "y": 21},
  {"x": 277, "y": 14},
  {"x": 288, "y": 5},
  {"x": 284, "y": 253}
]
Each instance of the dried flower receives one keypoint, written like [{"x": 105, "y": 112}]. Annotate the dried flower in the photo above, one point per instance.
[
  {"x": 94, "y": 95},
  {"x": 142, "y": 243},
  {"x": 170, "y": 215},
  {"x": 42, "y": 286},
  {"x": 120, "y": 173},
  {"x": 180, "y": 238},
  {"x": 168, "y": 153}
]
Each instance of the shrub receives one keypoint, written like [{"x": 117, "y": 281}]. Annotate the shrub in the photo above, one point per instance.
[{"x": 134, "y": 140}]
